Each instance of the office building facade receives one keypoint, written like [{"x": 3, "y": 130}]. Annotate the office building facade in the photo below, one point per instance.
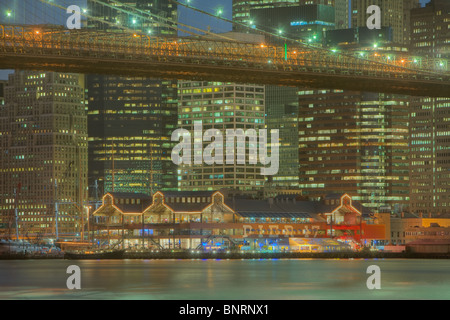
[
  {"x": 357, "y": 142},
  {"x": 221, "y": 106},
  {"x": 430, "y": 31},
  {"x": 43, "y": 158},
  {"x": 429, "y": 155},
  {"x": 131, "y": 118},
  {"x": 282, "y": 115},
  {"x": 130, "y": 123},
  {"x": 342, "y": 14},
  {"x": 430, "y": 117}
]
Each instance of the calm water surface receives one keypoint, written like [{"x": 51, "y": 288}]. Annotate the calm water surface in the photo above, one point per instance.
[{"x": 225, "y": 279}]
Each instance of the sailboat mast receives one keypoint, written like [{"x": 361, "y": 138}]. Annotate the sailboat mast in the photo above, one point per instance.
[
  {"x": 151, "y": 168},
  {"x": 112, "y": 158},
  {"x": 56, "y": 210},
  {"x": 80, "y": 192},
  {"x": 16, "y": 215}
]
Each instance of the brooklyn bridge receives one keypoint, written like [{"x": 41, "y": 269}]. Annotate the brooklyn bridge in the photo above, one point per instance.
[{"x": 217, "y": 58}]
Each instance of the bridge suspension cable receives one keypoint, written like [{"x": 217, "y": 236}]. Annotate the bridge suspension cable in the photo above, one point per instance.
[
  {"x": 253, "y": 29},
  {"x": 306, "y": 45},
  {"x": 163, "y": 21},
  {"x": 144, "y": 16}
]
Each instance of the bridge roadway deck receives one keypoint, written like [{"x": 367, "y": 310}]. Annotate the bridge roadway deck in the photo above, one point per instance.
[{"x": 93, "y": 52}]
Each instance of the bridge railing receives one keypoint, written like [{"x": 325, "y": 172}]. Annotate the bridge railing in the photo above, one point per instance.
[{"x": 57, "y": 41}]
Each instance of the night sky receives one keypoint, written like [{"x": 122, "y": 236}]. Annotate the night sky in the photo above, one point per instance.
[{"x": 36, "y": 13}]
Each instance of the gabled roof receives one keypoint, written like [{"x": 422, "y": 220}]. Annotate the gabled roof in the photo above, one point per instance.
[
  {"x": 283, "y": 206},
  {"x": 287, "y": 206},
  {"x": 365, "y": 211},
  {"x": 188, "y": 205},
  {"x": 145, "y": 201}
]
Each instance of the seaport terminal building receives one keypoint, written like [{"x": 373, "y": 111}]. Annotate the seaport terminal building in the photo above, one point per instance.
[{"x": 207, "y": 220}]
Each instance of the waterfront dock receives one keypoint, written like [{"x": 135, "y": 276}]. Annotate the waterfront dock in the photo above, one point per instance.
[{"x": 233, "y": 255}]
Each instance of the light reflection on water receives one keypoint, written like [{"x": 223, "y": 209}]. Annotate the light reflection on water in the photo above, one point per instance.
[{"x": 225, "y": 279}]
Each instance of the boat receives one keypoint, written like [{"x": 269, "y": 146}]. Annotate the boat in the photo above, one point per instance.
[{"x": 94, "y": 254}]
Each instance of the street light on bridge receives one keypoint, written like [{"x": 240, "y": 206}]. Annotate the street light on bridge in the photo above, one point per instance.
[{"x": 9, "y": 15}]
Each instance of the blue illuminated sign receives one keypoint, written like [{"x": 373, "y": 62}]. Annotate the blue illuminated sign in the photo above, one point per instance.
[{"x": 303, "y": 23}]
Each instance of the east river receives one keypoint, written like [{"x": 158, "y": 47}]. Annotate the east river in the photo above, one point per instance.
[{"x": 290, "y": 279}]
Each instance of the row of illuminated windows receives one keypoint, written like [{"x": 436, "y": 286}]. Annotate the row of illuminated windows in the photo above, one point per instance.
[
  {"x": 127, "y": 112},
  {"x": 220, "y": 95},
  {"x": 428, "y": 233},
  {"x": 205, "y": 90},
  {"x": 222, "y": 101},
  {"x": 220, "y": 176},
  {"x": 204, "y": 170},
  {"x": 312, "y": 185},
  {"x": 188, "y": 200},
  {"x": 233, "y": 107},
  {"x": 219, "y": 120},
  {"x": 221, "y": 114},
  {"x": 219, "y": 108},
  {"x": 221, "y": 182},
  {"x": 209, "y": 87},
  {"x": 188, "y": 84},
  {"x": 421, "y": 135}
]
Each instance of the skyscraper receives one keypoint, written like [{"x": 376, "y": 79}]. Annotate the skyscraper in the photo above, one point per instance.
[
  {"x": 130, "y": 123},
  {"x": 282, "y": 115},
  {"x": 300, "y": 22},
  {"x": 221, "y": 106},
  {"x": 429, "y": 155},
  {"x": 241, "y": 10},
  {"x": 430, "y": 117},
  {"x": 342, "y": 14},
  {"x": 43, "y": 158},
  {"x": 131, "y": 119},
  {"x": 356, "y": 143},
  {"x": 430, "y": 31}
]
